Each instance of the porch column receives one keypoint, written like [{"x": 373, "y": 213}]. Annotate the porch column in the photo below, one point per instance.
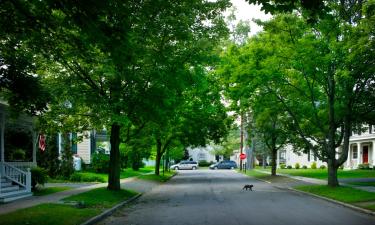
[
  {"x": 348, "y": 161},
  {"x": 373, "y": 154},
  {"x": 2, "y": 123},
  {"x": 359, "y": 155},
  {"x": 35, "y": 143},
  {"x": 277, "y": 159}
]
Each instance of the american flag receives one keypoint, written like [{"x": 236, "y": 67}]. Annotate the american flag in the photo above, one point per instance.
[{"x": 42, "y": 142}]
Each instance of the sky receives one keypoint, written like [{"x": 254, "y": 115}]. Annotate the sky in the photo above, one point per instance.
[{"x": 245, "y": 11}]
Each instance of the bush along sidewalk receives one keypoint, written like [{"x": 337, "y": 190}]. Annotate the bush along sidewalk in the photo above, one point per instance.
[
  {"x": 348, "y": 195},
  {"x": 161, "y": 178},
  {"x": 89, "y": 176},
  {"x": 75, "y": 209}
]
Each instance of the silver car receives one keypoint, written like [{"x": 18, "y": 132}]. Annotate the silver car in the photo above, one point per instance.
[{"x": 185, "y": 165}]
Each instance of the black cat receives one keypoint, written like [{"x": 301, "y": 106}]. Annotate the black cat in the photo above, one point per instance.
[{"x": 248, "y": 186}]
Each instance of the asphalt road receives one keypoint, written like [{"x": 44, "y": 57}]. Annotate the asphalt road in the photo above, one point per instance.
[{"x": 216, "y": 198}]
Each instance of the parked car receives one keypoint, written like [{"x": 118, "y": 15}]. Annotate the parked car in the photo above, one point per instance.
[
  {"x": 185, "y": 165},
  {"x": 224, "y": 165}
]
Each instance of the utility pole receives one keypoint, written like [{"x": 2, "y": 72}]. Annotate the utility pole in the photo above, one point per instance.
[{"x": 241, "y": 143}]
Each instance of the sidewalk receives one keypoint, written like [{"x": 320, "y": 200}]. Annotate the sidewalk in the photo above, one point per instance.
[
  {"x": 128, "y": 183},
  {"x": 309, "y": 181}
]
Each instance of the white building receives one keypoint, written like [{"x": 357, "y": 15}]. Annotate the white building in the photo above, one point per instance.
[
  {"x": 362, "y": 148},
  {"x": 17, "y": 155},
  {"x": 361, "y": 151},
  {"x": 203, "y": 154},
  {"x": 90, "y": 142}
]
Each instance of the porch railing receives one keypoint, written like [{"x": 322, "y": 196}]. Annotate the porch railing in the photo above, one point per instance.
[{"x": 16, "y": 175}]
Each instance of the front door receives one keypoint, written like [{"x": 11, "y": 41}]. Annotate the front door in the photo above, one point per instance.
[{"x": 365, "y": 154}]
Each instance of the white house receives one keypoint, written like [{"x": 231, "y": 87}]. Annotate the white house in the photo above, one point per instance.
[
  {"x": 362, "y": 148},
  {"x": 90, "y": 141},
  {"x": 361, "y": 151},
  {"x": 203, "y": 154},
  {"x": 17, "y": 153}
]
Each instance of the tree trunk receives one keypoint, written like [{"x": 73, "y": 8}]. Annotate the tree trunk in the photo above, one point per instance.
[
  {"x": 332, "y": 174},
  {"x": 114, "y": 159},
  {"x": 158, "y": 157},
  {"x": 273, "y": 155},
  {"x": 167, "y": 160}
]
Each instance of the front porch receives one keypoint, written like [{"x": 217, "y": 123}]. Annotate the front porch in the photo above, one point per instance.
[
  {"x": 361, "y": 152},
  {"x": 17, "y": 155}
]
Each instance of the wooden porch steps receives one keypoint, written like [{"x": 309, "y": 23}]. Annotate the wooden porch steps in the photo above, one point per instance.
[{"x": 10, "y": 191}]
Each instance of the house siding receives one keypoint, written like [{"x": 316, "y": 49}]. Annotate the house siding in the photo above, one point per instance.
[
  {"x": 360, "y": 145},
  {"x": 84, "y": 150}
]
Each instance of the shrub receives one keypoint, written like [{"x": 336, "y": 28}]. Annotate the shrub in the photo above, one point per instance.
[
  {"x": 297, "y": 166},
  {"x": 100, "y": 162},
  {"x": 66, "y": 166},
  {"x": 304, "y": 167},
  {"x": 75, "y": 177},
  {"x": 364, "y": 166},
  {"x": 313, "y": 165},
  {"x": 204, "y": 163},
  {"x": 18, "y": 154},
  {"x": 282, "y": 166},
  {"x": 322, "y": 167},
  {"x": 289, "y": 167},
  {"x": 82, "y": 177},
  {"x": 38, "y": 176}
]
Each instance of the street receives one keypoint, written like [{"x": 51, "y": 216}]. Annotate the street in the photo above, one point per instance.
[{"x": 215, "y": 197}]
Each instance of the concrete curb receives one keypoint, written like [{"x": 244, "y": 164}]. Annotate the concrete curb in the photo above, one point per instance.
[
  {"x": 332, "y": 200},
  {"x": 110, "y": 211},
  {"x": 321, "y": 197}
]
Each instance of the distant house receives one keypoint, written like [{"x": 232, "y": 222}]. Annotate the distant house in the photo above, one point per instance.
[
  {"x": 89, "y": 142},
  {"x": 203, "y": 154},
  {"x": 361, "y": 151}
]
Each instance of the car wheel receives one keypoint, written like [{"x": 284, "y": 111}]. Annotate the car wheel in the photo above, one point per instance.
[
  {"x": 231, "y": 167},
  {"x": 215, "y": 168},
  {"x": 176, "y": 168},
  {"x": 194, "y": 168}
]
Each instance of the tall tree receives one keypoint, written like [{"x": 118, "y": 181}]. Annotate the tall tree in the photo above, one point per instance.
[
  {"x": 270, "y": 125},
  {"x": 122, "y": 61},
  {"x": 305, "y": 67},
  {"x": 20, "y": 83}
]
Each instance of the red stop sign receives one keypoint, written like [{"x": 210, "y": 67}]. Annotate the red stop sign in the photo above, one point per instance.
[{"x": 242, "y": 156}]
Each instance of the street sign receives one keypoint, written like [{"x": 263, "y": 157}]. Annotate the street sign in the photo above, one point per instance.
[{"x": 242, "y": 156}]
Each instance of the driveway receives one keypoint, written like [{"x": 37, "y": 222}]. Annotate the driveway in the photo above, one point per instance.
[{"x": 216, "y": 197}]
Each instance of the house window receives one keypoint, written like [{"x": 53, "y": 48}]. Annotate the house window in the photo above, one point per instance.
[
  {"x": 282, "y": 155},
  {"x": 355, "y": 152},
  {"x": 201, "y": 156},
  {"x": 74, "y": 143}
]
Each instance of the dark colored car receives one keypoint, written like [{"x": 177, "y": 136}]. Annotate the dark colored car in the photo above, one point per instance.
[{"x": 224, "y": 165}]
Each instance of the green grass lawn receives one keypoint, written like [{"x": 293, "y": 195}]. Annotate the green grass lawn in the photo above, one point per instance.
[
  {"x": 131, "y": 173},
  {"x": 322, "y": 173},
  {"x": 343, "y": 194},
  {"x": 46, "y": 214},
  {"x": 363, "y": 183},
  {"x": 50, "y": 190},
  {"x": 255, "y": 174},
  {"x": 101, "y": 197},
  {"x": 370, "y": 207},
  {"x": 161, "y": 178},
  {"x": 95, "y": 201}
]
